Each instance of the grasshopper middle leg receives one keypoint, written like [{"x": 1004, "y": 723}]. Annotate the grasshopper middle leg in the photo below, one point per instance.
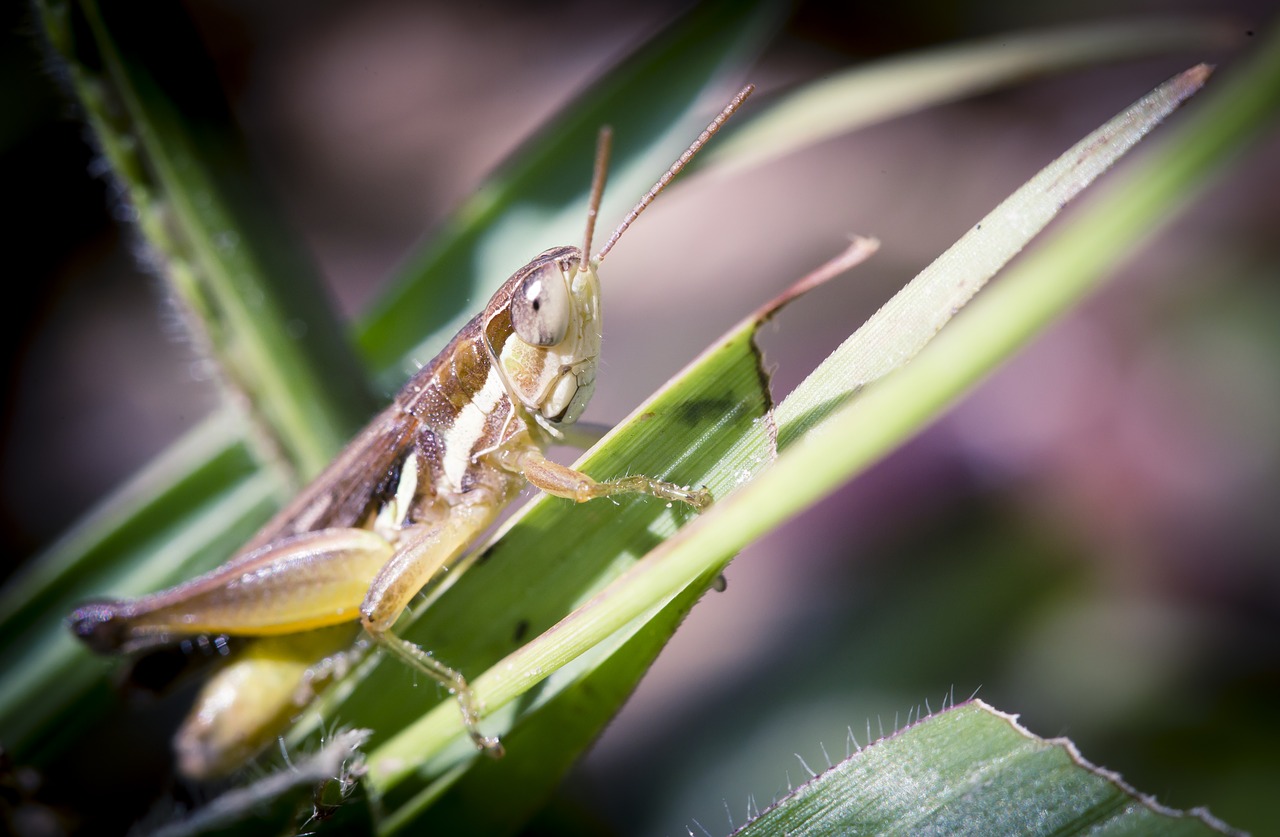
[{"x": 424, "y": 551}]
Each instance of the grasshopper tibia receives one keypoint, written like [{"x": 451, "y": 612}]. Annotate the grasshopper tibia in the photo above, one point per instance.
[{"x": 451, "y": 680}]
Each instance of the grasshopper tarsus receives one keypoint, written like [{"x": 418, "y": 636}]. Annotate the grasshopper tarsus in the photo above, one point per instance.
[
  {"x": 489, "y": 745},
  {"x": 698, "y": 498}
]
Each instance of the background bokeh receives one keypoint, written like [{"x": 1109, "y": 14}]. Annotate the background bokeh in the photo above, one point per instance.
[{"x": 1089, "y": 540}]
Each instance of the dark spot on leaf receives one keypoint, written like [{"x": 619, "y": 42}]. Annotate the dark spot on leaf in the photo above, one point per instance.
[
  {"x": 521, "y": 631},
  {"x": 695, "y": 412}
]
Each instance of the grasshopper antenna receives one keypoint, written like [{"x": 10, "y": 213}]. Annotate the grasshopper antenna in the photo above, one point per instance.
[
  {"x": 675, "y": 169},
  {"x": 604, "y": 143}
]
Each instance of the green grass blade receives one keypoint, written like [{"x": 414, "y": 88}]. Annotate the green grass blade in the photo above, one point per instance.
[
  {"x": 251, "y": 296},
  {"x": 895, "y": 86},
  {"x": 907, "y": 322},
  {"x": 971, "y": 770},
  {"x": 543, "y": 748}
]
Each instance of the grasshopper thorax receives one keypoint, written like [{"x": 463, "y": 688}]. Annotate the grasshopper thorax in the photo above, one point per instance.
[{"x": 543, "y": 330}]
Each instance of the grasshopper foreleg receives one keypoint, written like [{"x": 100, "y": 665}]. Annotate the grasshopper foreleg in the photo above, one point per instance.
[{"x": 563, "y": 481}]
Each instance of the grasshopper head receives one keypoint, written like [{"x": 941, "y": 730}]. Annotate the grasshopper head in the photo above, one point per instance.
[{"x": 544, "y": 328}]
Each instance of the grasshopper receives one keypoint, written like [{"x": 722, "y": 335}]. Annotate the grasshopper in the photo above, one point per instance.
[{"x": 428, "y": 475}]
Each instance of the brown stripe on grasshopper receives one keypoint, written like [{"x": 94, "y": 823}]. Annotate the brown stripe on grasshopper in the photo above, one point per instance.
[{"x": 411, "y": 493}]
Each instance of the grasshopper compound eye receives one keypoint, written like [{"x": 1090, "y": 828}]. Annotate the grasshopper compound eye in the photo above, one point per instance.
[{"x": 540, "y": 309}]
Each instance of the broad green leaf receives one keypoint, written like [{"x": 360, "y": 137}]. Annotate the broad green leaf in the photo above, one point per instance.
[
  {"x": 541, "y": 749},
  {"x": 971, "y": 770}
]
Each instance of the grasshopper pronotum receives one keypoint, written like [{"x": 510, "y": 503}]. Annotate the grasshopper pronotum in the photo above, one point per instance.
[{"x": 424, "y": 479}]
